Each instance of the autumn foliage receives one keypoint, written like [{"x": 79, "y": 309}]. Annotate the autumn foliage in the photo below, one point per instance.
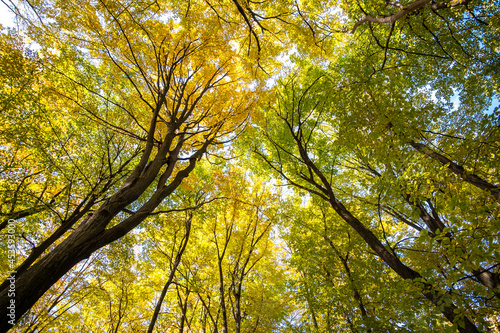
[{"x": 244, "y": 166}]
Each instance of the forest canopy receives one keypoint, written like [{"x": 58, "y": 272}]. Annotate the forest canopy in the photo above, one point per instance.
[{"x": 250, "y": 166}]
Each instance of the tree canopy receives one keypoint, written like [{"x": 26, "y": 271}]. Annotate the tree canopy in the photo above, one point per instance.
[{"x": 250, "y": 166}]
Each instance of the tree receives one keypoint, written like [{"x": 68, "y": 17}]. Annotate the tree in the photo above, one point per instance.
[
  {"x": 113, "y": 128},
  {"x": 311, "y": 145},
  {"x": 177, "y": 106}
]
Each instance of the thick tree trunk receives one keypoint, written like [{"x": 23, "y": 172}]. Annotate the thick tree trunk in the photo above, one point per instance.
[
  {"x": 37, "y": 251},
  {"x": 488, "y": 279},
  {"x": 87, "y": 238},
  {"x": 29, "y": 287}
]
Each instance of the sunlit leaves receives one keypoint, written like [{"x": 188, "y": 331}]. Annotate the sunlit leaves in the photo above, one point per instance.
[{"x": 359, "y": 116}]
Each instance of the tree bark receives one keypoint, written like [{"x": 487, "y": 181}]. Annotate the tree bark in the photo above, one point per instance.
[
  {"x": 90, "y": 236},
  {"x": 416, "y": 5},
  {"x": 402, "y": 270},
  {"x": 323, "y": 189},
  {"x": 458, "y": 169}
]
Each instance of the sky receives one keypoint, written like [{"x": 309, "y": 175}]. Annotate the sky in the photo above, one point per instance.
[{"x": 6, "y": 17}]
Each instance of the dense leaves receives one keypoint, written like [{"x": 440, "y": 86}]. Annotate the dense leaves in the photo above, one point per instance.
[{"x": 239, "y": 166}]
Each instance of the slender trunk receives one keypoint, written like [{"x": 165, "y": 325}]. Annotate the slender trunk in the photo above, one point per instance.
[
  {"x": 434, "y": 223},
  {"x": 347, "y": 318},
  {"x": 220, "y": 258},
  {"x": 237, "y": 317},
  {"x": 184, "y": 305},
  {"x": 222, "y": 298},
  {"x": 204, "y": 320},
  {"x": 237, "y": 299},
  {"x": 207, "y": 311},
  {"x": 457, "y": 169},
  {"x": 325, "y": 191},
  {"x": 173, "y": 270},
  {"x": 309, "y": 303},
  {"x": 357, "y": 295},
  {"x": 402, "y": 270},
  {"x": 256, "y": 324}
]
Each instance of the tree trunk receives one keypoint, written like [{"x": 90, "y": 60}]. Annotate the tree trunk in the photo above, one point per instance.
[
  {"x": 457, "y": 169},
  {"x": 173, "y": 270},
  {"x": 222, "y": 298},
  {"x": 87, "y": 238},
  {"x": 402, "y": 270}
]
